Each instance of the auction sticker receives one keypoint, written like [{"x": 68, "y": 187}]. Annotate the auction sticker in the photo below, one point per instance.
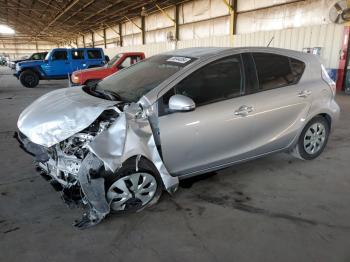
[{"x": 179, "y": 59}]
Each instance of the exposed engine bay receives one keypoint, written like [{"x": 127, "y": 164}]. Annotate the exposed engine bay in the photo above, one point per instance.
[
  {"x": 78, "y": 163},
  {"x": 66, "y": 157}
]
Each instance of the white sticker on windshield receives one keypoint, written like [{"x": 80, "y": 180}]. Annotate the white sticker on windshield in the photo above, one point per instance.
[{"x": 179, "y": 59}]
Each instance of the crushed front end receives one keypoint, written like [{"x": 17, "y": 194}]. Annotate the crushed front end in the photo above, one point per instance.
[
  {"x": 79, "y": 140},
  {"x": 60, "y": 165}
]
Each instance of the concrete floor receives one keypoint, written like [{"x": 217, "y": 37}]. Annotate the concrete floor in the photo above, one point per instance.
[{"x": 272, "y": 209}]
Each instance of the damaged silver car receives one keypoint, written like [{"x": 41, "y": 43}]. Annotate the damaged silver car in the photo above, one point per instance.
[{"x": 116, "y": 145}]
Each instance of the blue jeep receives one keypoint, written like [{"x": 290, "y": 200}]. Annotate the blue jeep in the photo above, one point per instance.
[{"x": 58, "y": 64}]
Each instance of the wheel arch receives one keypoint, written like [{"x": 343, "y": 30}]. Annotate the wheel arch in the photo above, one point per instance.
[
  {"x": 35, "y": 70},
  {"x": 138, "y": 158}
]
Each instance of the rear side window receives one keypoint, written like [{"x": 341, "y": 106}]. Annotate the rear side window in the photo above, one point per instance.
[
  {"x": 298, "y": 68},
  {"x": 59, "y": 55},
  {"x": 214, "y": 82},
  {"x": 78, "y": 54},
  {"x": 94, "y": 54},
  {"x": 276, "y": 71}
]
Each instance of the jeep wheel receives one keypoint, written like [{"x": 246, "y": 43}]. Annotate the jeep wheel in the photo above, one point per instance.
[{"x": 29, "y": 79}]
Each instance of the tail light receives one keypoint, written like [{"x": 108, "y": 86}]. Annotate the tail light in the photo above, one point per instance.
[{"x": 328, "y": 80}]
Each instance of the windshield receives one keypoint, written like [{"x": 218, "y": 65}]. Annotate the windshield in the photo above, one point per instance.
[
  {"x": 48, "y": 55},
  {"x": 132, "y": 83},
  {"x": 113, "y": 60}
]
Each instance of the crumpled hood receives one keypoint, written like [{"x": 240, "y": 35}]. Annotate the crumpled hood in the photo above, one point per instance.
[{"x": 60, "y": 114}]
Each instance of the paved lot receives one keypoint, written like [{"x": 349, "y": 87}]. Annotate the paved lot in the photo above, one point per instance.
[{"x": 272, "y": 209}]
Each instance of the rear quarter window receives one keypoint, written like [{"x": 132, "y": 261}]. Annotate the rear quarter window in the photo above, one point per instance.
[
  {"x": 94, "y": 54},
  {"x": 276, "y": 71}
]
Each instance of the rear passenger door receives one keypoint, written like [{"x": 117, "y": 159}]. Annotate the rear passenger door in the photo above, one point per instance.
[
  {"x": 273, "y": 93},
  {"x": 94, "y": 58},
  {"x": 78, "y": 59}
]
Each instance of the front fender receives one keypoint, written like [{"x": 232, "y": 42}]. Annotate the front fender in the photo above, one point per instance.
[{"x": 130, "y": 136}]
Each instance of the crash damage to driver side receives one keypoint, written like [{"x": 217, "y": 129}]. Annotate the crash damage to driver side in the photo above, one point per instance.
[{"x": 82, "y": 140}]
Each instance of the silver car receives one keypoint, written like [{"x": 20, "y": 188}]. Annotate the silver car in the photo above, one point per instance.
[{"x": 115, "y": 146}]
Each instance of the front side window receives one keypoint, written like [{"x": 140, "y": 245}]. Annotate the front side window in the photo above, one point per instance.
[
  {"x": 114, "y": 60},
  {"x": 59, "y": 55},
  {"x": 276, "y": 71},
  {"x": 94, "y": 54},
  {"x": 77, "y": 54},
  {"x": 214, "y": 82},
  {"x": 137, "y": 80}
]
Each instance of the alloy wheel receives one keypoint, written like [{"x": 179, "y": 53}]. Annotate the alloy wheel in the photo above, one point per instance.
[
  {"x": 314, "y": 138},
  {"x": 132, "y": 191}
]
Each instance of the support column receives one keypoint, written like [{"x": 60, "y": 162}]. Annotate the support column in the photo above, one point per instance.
[
  {"x": 104, "y": 37},
  {"x": 120, "y": 34},
  {"x": 84, "y": 41},
  {"x": 143, "y": 30},
  {"x": 343, "y": 60},
  {"x": 233, "y": 17},
  {"x": 93, "y": 39},
  {"x": 176, "y": 23}
]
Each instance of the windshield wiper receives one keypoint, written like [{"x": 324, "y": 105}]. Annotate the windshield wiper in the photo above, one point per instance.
[{"x": 106, "y": 93}]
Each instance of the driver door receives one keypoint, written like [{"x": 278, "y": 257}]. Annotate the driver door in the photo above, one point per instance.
[
  {"x": 59, "y": 64},
  {"x": 211, "y": 135}
]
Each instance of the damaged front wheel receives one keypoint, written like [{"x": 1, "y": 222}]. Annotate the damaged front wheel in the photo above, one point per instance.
[{"x": 134, "y": 187}]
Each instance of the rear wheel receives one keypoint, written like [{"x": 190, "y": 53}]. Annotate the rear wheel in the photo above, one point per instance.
[
  {"x": 131, "y": 190},
  {"x": 313, "y": 139},
  {"x": 29, "y": 79}
]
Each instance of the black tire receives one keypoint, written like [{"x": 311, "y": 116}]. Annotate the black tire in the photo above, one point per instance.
[
  {"x": 128, "y": 168},
  {"x": 299, "y": 150},
  {"x": 29, "y": 78}
]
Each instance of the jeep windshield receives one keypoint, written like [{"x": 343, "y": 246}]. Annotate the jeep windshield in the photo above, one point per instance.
[{"x": 131, "y": 83}]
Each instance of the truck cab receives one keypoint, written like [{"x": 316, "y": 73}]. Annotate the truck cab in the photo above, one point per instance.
[
  {"x": 59, "y": 63},
  {"x": 118, "y": 62}
]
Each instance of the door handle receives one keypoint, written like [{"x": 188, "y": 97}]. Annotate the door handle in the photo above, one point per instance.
[
  {"x": 244, "y": 110},
  {"x": 67, "y": 63},
  {"x": 304, "y": 93}
]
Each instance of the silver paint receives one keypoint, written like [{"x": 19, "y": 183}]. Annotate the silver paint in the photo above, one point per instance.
[
  {"x": 60, "y": 114},
  {"x": 131, "y": 135}
]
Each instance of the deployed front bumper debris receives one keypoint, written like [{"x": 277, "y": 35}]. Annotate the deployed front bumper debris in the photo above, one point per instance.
[{"x": 38, "y": 151}]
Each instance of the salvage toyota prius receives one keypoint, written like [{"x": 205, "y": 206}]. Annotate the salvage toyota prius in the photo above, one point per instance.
[{"x": 115, "y": 146}]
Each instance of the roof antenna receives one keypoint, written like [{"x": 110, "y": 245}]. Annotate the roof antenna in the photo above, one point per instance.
[{"x": 270, "y": 41}]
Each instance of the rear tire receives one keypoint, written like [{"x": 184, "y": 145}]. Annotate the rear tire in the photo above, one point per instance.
[
  {"x": 29, "y": 79},
  {"x": 131, "y": 191},
  {"x": 313, "y": 139}
]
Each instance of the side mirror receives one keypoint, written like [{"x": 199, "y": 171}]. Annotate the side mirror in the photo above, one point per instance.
[{"x": 181, "y": 103}]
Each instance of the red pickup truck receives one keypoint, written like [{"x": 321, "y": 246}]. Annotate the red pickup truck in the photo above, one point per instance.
[{"x": 120, "y": 61}]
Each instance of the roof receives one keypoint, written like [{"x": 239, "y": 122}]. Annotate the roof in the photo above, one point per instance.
[
  {"x": 59, "y": 21},
  {"x": 203, "y": 52}
]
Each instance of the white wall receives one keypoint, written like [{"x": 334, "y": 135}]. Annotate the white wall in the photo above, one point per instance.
[
  {"x": 294, "y": 25},
  {"x": 16, "y": 48},
  {"x": 328, "y": 37}
]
